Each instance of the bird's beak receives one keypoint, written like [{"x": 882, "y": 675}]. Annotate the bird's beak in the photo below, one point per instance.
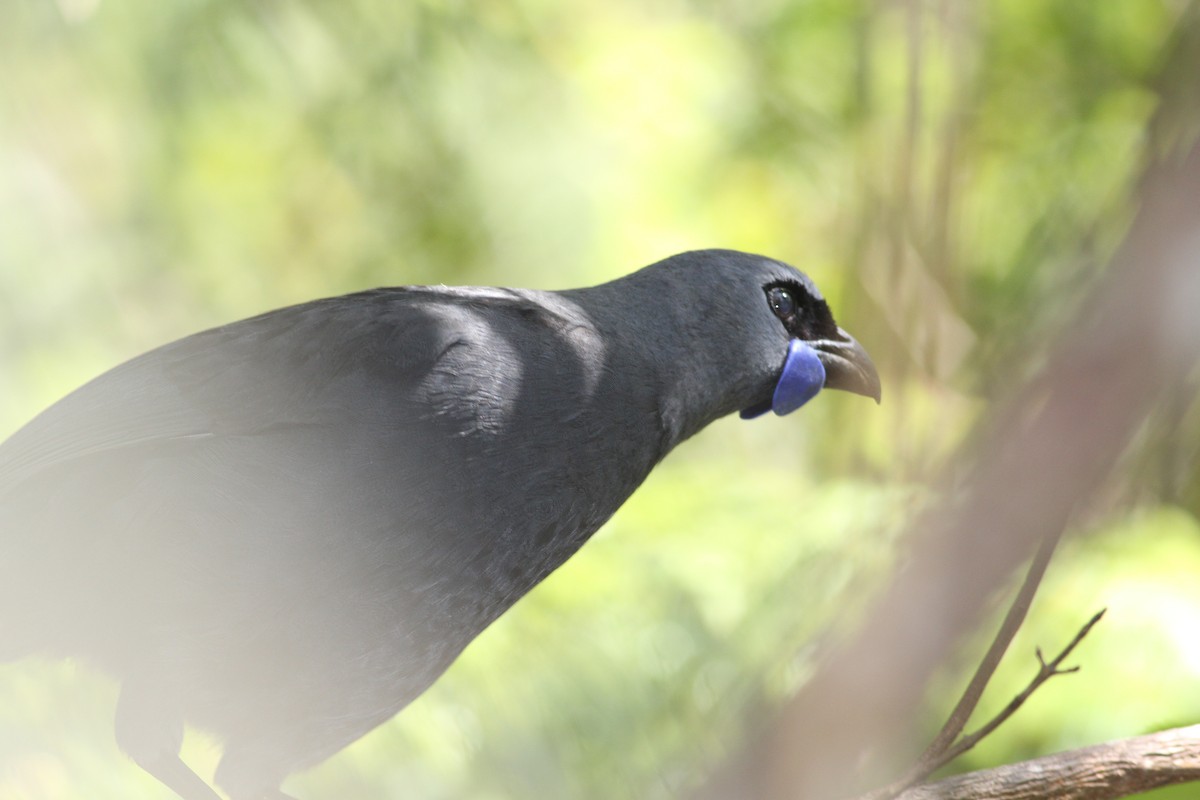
[{"x": 847, "y": 365}]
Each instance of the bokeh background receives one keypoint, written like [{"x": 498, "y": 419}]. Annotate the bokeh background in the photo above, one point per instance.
[{"x": 953, "y": 175}]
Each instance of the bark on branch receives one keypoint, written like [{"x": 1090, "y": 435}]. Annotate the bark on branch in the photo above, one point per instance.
[{"x": 1101, "y": 772}]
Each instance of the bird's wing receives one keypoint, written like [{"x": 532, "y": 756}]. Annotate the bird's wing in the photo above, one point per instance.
[{"x": 307, "y": 364}]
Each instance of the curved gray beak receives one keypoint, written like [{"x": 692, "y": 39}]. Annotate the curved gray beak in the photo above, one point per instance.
[{"x": 847, "y": 366}]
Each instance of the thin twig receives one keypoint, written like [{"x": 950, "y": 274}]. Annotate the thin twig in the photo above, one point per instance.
[
  {"x": 931, "y": 759},
  {"x": 958, "y": 718},
  {"x": 1045, "y": 672}
]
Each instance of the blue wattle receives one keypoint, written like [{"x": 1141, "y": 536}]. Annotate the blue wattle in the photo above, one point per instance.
[{"x": 802, "y": 377}]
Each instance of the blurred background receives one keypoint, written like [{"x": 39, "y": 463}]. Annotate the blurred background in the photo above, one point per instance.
[{"x": 953, "y": 175}]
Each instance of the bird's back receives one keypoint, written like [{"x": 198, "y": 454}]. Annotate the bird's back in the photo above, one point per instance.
[{"x": 310, "y": 488}]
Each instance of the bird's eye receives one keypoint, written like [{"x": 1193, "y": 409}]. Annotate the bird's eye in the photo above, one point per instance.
[{"x": 782, "y": 302}]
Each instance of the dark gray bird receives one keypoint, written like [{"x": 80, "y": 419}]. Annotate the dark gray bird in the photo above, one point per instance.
[{"x": 284, "y": 529}]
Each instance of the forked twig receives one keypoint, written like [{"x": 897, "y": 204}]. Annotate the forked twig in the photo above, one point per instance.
[
  {"x": 1046, "y": 671},
  {"x": 947, "y": 745}
]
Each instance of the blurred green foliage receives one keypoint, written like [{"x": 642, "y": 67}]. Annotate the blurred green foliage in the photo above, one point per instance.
[{"x": 953, "y": 175}]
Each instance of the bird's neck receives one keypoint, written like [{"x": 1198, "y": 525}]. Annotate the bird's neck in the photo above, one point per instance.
[{"x": 660, "y": 360}]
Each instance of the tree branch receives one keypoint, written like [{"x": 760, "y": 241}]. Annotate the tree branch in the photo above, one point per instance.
[{"x": 1102, "y": 772}]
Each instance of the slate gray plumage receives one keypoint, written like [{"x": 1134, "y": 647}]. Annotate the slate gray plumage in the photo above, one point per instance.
[{"x": 284, "y": 529}]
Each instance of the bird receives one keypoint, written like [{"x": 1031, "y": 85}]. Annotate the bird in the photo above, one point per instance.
[{"x": 284, "y": 529}]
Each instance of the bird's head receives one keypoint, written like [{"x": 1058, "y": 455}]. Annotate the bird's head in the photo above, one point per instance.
[
  {"x": 726, "y": 331},
  {"x": 751, "y": 334},
  {"x": 817, "y": 354}
]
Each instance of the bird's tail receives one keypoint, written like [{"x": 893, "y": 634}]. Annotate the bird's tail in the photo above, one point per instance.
[
  {"x": 12, "y": 634},
  {"x": 12, "y": 644},
  {"x": 54, "y": 581},
  {"x": 24, "y": 590}
]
